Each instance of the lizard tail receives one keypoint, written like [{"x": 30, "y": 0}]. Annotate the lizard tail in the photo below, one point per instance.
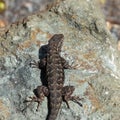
[
  {"x": 52, "y": 115},
  {"x": 54, "y": 109}
]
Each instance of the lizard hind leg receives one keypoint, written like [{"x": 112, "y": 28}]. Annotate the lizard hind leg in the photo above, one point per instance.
[
  {"x": 67, "y": 95},
  {"x": 40, "y": 93}
]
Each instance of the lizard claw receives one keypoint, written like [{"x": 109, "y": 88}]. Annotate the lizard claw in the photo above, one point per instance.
[
  {"x": 34, "y": 64},
  {"x": 76, "y": 99},
  {"x": 32, "y": 99},
  {"x": 78, "y": 103},
  {"x": 76, "y": 66}
]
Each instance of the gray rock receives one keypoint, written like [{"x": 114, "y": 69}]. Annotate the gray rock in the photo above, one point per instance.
[{"x": 88, "y": 45}]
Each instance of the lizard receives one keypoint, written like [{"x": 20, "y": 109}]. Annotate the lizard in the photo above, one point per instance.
[{"x": 54, "y": 65}]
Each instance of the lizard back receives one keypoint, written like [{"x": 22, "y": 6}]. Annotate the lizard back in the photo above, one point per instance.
[
  {"x": 55, "y": 75},
  {"x": 52, "y": 66}
]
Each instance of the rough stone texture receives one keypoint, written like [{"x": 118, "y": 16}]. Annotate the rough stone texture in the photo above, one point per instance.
[{"x": 87, "y": 44}]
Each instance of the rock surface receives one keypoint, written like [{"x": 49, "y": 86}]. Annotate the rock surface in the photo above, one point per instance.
[{"x": 87, "y": 44}]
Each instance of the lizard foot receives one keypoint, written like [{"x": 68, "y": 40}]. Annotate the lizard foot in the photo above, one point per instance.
[
  {"x": 34, "y": 64},
  {"x": 67, "y": 95},
  {"x": 40, "y": 93}
]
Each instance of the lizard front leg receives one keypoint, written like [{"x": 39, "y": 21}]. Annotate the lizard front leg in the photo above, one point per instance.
[
  {"x": 66, "y": 65},
  {"x": 40, "y": 93},
  {"x": 39, "y": 64},
  {"x": 67, "y": 95}
]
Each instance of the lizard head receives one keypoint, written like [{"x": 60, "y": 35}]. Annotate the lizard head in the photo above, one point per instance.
[{"x": 56, "y": 42}]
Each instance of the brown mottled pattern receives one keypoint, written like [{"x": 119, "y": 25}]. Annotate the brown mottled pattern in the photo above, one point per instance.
[
  {"x": 55, "y": 75},
  {"x": 53, "y": 66}
]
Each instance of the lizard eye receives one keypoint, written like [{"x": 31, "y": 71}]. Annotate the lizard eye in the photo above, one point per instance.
[{"x": 53, "y": 39}]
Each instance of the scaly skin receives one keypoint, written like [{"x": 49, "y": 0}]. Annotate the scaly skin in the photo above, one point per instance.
[
  {"x": 55, "y": 75},
  {"x": 53, "y": 66}
]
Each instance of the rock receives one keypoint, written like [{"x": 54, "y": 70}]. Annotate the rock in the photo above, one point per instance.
[
  {"x": 87, "y": 44},
  {"x": 4, "y": 111}
]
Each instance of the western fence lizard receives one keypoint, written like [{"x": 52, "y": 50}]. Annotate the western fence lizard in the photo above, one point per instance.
[{"x": 54, "y": 66}]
